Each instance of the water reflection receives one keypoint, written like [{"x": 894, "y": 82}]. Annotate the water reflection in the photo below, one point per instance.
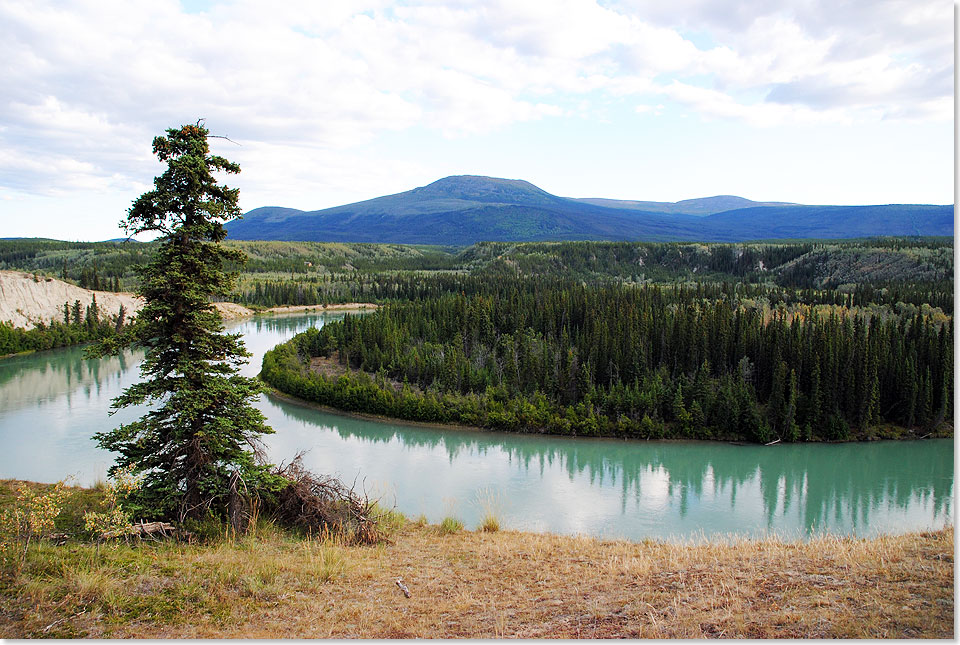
[
  {"x": 51, "y": 403},
  {"x": 658, "y": 488},
  {"x": 26, "y": 381}
]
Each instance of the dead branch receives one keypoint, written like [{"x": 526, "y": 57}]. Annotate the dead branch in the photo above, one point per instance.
[
  {"x": 324, "y": 504},
  {"x": 151, "y": 529},
  {"x": 57, "y": 622}
]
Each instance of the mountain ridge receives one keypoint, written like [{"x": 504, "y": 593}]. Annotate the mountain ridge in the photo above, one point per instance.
[
  {"x": 697, "y": 206},
  {"x": 463, "y": 209}
]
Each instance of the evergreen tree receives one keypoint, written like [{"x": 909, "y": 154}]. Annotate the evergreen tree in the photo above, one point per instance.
[
  {"x": 121, "y": 317},
  {"x": 815, "y": 400},
  {"x": 200, "y": 430},
  {"x": 777, "y": 406},
  {"x": 791, "y": 432},
  {"x": 93, "y": 314}
]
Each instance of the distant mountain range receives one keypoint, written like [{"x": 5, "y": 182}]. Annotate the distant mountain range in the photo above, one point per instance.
[
  {"x": 701, "y": 206},
  {"x": 465, "y": 209}
]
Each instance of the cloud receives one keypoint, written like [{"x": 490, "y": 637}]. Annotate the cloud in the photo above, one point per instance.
[
  {"x": 888, "y": 57},
  {"x": 85, "y": 91},
  {"x": 717, "y": 105}
]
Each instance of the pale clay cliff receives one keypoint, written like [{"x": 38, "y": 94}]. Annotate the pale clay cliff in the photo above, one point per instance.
[{"x": 25, "y": 300}]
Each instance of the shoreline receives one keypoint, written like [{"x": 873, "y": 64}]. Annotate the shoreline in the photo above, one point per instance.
[
  {"x": 231, "y": 311},
  {"x": 235, "y": 311},
  {"x": 346, "y": 306},
  {"x": 436, "y": 425},
  {"x": 380, "y": 418}
]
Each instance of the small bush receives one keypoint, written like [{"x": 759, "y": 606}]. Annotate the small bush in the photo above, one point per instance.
[
  {"x": 207, "y": 530},
  {"x": 449, "y": 525},
  {"x": 114, "y": 521},
  {"x": 29, "y": 518}
]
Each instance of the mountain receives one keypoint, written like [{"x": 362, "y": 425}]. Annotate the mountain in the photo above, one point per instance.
[
  {"x": 792, "y": 222},
  {"x": 461, "y": 210},
  {"x": 699, "y": 206}
]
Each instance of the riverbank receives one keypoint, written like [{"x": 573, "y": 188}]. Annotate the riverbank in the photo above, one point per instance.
[
  {"x": 234, "y": 311},
  {"x": 325, "y": 384},
  {"x": 485, "y": 585},
  {"x": 27, "y": 299},
  {"x": 379, "y": 418}
]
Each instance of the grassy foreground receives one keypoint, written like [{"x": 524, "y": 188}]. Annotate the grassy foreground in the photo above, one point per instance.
[{"x": 485, "y": 584}]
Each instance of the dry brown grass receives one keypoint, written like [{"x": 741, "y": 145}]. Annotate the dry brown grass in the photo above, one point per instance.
[
  {"x": 331, "y": 368},
  {"x": 503, "y": 584}
]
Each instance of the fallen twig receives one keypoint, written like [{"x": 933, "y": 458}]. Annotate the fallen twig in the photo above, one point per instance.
[
  {"x": 403, "y": 587},
  {"x": 149, "y": 529},
  {"x": 57, "y": 622}
]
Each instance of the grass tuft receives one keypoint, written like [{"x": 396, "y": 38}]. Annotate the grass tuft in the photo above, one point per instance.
[
  {"x": 449, "y": 526},
  {"x": 491, "y": 504},
  {"x": 490, "y": 524},
  {"x": 389, "y": 520}
]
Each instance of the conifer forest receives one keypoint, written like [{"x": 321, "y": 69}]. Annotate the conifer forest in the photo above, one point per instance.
[{"x": 812, "y": 340}]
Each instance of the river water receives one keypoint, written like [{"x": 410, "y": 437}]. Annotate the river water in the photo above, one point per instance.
[{"x": 51, "y": 404}]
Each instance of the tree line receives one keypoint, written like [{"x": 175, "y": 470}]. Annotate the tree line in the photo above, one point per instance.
[
  {"x": 78, "y": 324},
  {"x": 650, "y": 361}
]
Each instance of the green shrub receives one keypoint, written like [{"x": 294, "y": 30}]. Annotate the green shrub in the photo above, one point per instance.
[
  {"x": 387, "y": 519},
  {"x": 30, "y": 518},
  {"x": 449, "y": 525}
]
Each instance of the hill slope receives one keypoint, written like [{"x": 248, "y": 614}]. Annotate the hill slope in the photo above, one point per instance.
[
  {"x": 462, "y": 210},
  {"x": 830, "y": 221},
  {"x": 700, "y": 206},
  {"x": 24, "y": 301}
]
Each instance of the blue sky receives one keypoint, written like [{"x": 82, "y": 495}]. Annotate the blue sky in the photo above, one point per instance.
[{"x": 331, "y": 102}]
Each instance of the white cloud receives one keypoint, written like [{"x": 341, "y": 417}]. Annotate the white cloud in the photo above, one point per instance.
[
  {"x": 88, "y": 83},
  {"x": 887, "y": 57},
  {"x": 313, "y": 177},
  {"x": 714, "y": 104}
]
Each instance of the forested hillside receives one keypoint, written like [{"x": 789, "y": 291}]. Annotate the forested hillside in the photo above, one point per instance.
[
  {"x": 885, "y": 270},
  {"x": 466, "y": 209},
  {"x": 547, "y": 355},
  {"x": 755, "y": 341}
]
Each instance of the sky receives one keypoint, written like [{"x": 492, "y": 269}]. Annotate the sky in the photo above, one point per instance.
[{"x": 335, "y": 101}]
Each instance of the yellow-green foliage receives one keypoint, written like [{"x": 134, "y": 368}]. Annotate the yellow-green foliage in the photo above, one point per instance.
[
  {"x": 114, "y": 522},
  {"x": 490, "y": 524},
  {"x": 30, "y": 517},
  {"x": 388, "y": 520},
  {"x": 449, "y": 525},
  {"x": 491, "y": 504}
]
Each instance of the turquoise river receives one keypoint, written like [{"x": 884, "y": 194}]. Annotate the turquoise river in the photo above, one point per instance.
[{"x": 51, "y": 404}]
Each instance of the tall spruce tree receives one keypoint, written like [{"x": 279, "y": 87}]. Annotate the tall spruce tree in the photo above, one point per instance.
[{"x": 201, "y": 429}]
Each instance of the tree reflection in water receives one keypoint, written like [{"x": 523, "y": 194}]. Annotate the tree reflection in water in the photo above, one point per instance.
[{"x": 798, "y": 487}]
